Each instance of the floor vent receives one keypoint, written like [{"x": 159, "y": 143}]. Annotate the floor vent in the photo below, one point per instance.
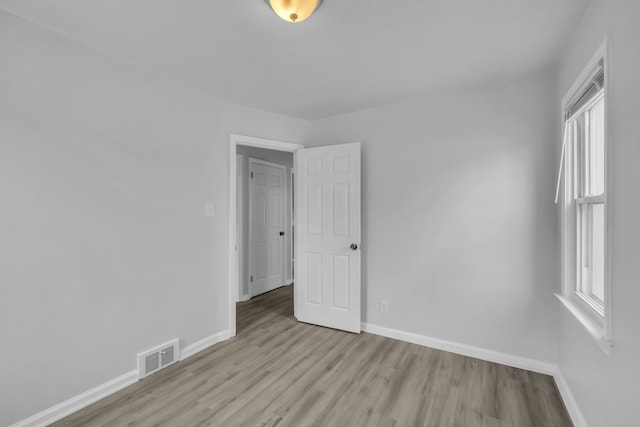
[{"x": 153, "y": 360}]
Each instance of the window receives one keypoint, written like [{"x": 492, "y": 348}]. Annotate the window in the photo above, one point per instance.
[
  {"x": 587, "y": 148},
  {"x": 585, "y": 215}
]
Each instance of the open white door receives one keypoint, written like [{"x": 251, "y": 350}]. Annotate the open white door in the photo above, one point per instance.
[{"x": 327, "y": 205}]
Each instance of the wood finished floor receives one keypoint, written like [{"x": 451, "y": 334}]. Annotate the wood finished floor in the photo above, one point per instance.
[{"x": 278, "y": 372}]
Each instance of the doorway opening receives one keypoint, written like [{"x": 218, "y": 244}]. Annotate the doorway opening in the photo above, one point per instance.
[
  {"x": 327, "y": 234},
  {"x": 260, "y": 209}
]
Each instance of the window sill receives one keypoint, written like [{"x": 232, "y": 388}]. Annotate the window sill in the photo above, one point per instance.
[{"x": 594, "y": 327}]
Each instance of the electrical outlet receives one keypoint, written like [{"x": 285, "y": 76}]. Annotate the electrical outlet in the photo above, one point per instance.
[{"x": 384, "y": 307}]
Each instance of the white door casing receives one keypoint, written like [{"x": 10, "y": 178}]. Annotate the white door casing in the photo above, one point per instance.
[
  {"x": 239, "y": 247},
  {"x": 266, "y": 229},
  {"x": 328, "y": 233}
]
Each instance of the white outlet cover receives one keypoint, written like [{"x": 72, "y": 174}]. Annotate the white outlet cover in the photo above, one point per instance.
[
  {"x": 210, "y": 209},
  {"x": 384, "y": 307}
]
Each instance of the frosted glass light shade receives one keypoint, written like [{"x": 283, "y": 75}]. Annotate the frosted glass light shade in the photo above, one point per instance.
[{"x": 294, "y": 10}]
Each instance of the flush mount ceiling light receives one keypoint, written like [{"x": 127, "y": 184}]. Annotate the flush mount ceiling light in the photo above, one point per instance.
[{"x": 294, "y": 10}]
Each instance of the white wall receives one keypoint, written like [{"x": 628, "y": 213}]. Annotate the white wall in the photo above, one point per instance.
[
  {"x": 105, "y": 251},
  {"x": 282, "y": 158},
  {"x": 606, "y": 387},
  {"x": 459, "y": 231}
]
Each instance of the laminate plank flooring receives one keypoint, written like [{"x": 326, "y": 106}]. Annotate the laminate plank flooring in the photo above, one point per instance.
[{"x": 279, "y": 372}]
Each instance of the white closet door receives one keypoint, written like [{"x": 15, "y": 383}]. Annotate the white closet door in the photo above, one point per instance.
[{"x": 267, "y": 188}]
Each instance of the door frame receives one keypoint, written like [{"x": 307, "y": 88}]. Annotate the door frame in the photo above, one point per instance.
[
  {"x": 292, "y": 223},
  {"x": 249, "y": 141},
  {"x": 254, "y": 160},
  {"x": 240, "y": 177}
]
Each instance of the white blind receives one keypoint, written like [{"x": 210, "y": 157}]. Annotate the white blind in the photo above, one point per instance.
[{"x": 592, "y": 87}]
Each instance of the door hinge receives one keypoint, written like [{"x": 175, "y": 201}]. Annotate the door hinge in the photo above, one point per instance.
[
  {"x": 251, "y": 175},
  {"x": 251, "y": 278}
]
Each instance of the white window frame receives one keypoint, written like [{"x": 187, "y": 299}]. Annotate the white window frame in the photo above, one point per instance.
[
  {"x": 583, "y": 283},
  {"x": 593, "y": 314}
]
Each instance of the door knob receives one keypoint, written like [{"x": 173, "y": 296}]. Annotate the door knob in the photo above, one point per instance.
[
  {"x": 282, "y": 233},
  {"x": 354, "y": 246}
]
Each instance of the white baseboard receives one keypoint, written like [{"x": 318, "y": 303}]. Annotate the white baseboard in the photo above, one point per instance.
[
  {"x": 288, "y": 282},
  {"x": 204, "y": 343},
  {"x": 78, "y": 402},
  {"x": 569, "y": 400},
  {"x": 245, "y": 297},
  {"x": 464, "y": 349}
]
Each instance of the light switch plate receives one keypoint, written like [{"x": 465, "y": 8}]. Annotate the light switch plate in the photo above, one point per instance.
[{"x": 210, "y": 209}]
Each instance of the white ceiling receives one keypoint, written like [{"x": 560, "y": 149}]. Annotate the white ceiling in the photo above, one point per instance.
[{"x": 351, "y": 54}]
